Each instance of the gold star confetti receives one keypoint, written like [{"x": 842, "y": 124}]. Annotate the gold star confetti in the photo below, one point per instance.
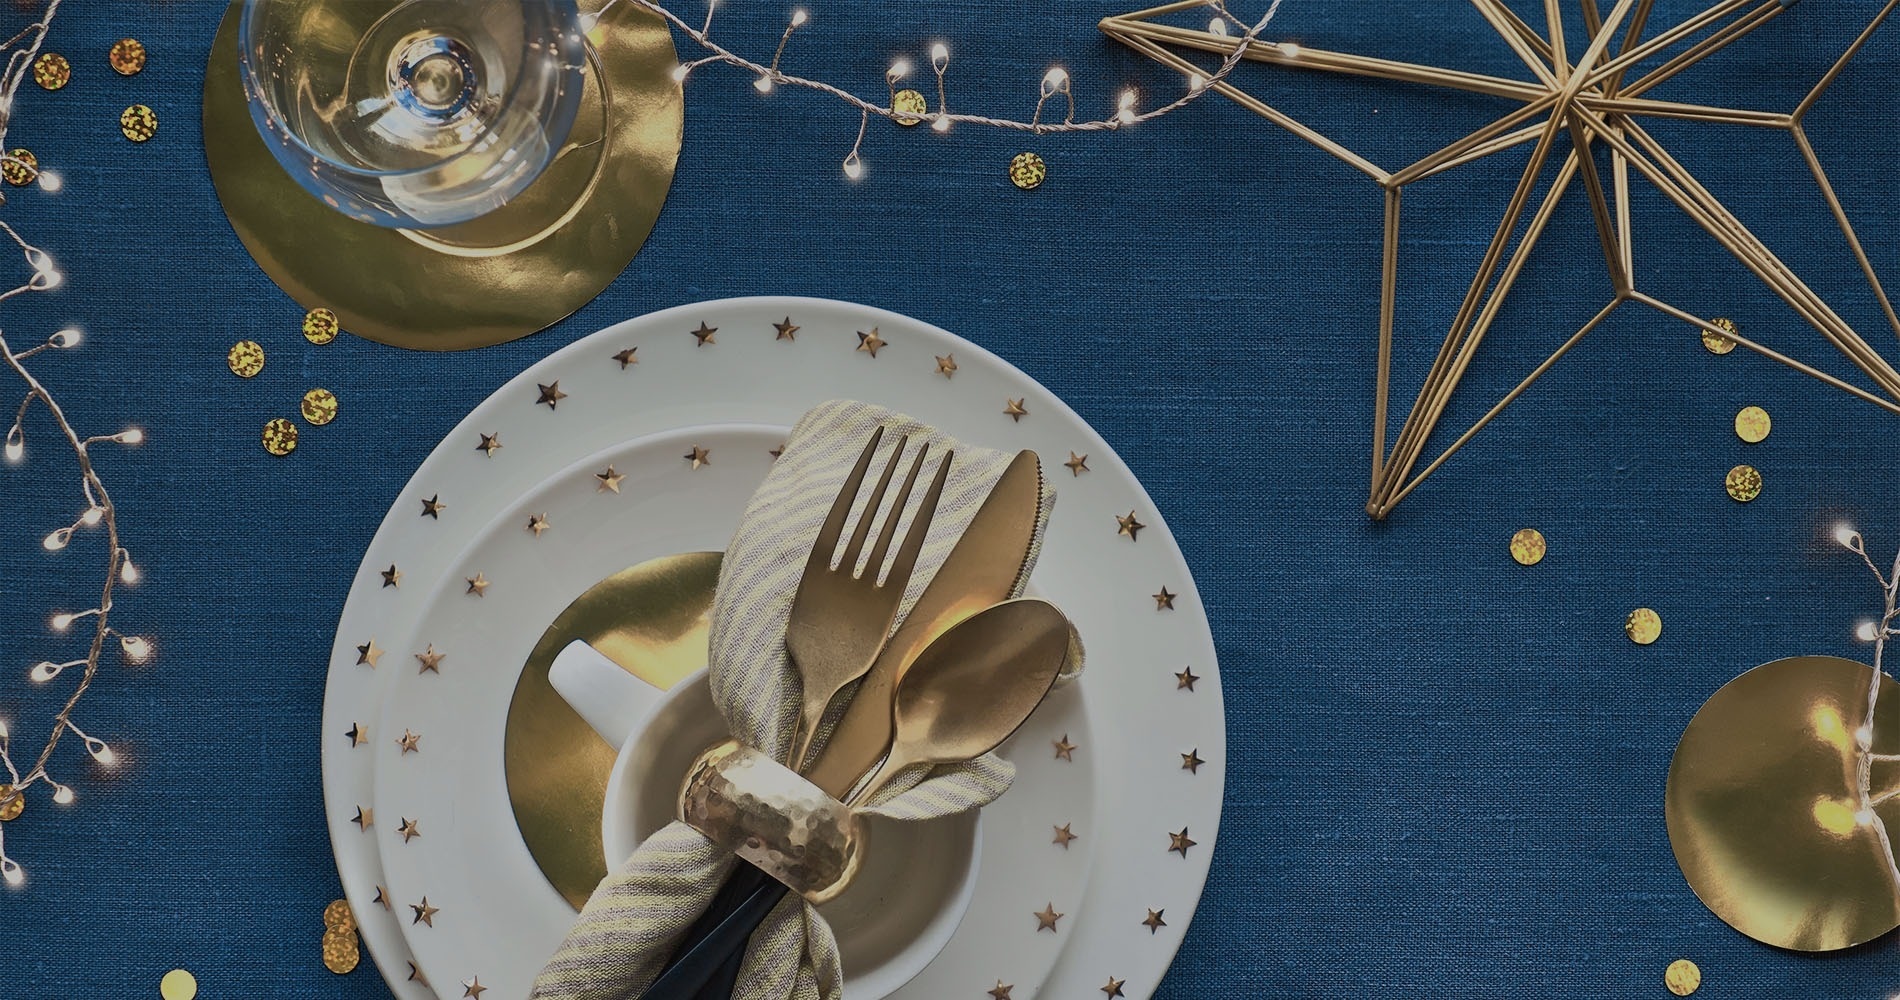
[
  {"x": 410, "y": 742},
  {"x": 1028, "y": 171},
  {"x": 550, "y": 394},
  {"x": 1178, "y": 843},
  {"x": 138, "y": 123},
  {"x": 1185, "y": 679},
  {"x": 537, "y": 523},
  {"x": 1164, "y": 601},
  {"x": 425, "y": 914},
  {"x": 698, "y": 456},
  {"x": 52, "y": 71},
  {"x": 787, "y": 330},
  {"x": 1714, "y": 342},
  {"x": 338, "y": 915},
  {"x": 1153, "y": 921},
  {"x": 491, "y": 443},
  {"x": 1064, "y": 835},
  {"x": 382, "y": 898},
  {"x": 1077, "y": 464},
  {"x": 870, "y": 343},
  {"x": 415, "y": 973},
  {"x": 1046, "y": 918},
  {"x": 473, "y": 988},
  {"x": 1191, "y": 761},
  {"x": 178, "y": 984},
  {"x": 340, "y": 951},
  {"x": 911, "y": 103},
  {"x": 433, "y": 507},
  {"x": 1643, "y": 627},
  {"x": 365, "y": 818},
  {"x": 946, "y": 364},
  {"x": 704, "y": 335},
  {"x": 409, "y": 830},
  {"x": 357, "y": 733},
  {"x": 1064, "y": 749},
  {"x": 279, "y": 437},
  {"x": 320, "y": 326},
  {"x": 627, "y": 358},
  {"x": 1743, "y": 483},
  {"x": 246, "y": 358},
  {"x": 20, "y": 167},
  {"x": 14, "y": 807},
  {"x": 127, "y": 56},
  {"x": 607, "y": 481},
  {"x": 1682, "y": 977},
  {"x": 318, "y": 406},
  {"x": 1129, "y": 526},
  {"x": 367, "y": 653},
  {"x": 392, "y": 577},
  {"x": 1001, "y": 991},
  {"x": 1752, "y": 424},
  {"x": 1114, "y": 988},
  {"x": 1528, "y": 546},
  {"x": 477, "y": 584},
  {"x": 1013, "y": 408},
  {"x": 431, "y": 660}
]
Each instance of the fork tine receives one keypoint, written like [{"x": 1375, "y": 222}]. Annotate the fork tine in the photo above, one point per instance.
[
  {"x": 874, "y": 567},
  {"x": 827, "y": 542},
  {"x": 848, "y": 563},
  {"x": 919, "y": 527}
]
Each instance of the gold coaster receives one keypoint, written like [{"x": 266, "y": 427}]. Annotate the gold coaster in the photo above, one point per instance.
[{"x": 495, "y": 279}]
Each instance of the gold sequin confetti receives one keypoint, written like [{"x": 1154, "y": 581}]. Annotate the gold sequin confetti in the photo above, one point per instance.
[
  {"x": 1644, "y": 626},
  {"x": 127, "y": 56},
  {"x": 320, "y": 325},
  {"x": 1682, "y": 977},
  {"x": 1715, "y": 342},
  {"x": 138, "y": 123},
  {"x": 246, "y": 358},
  {"x": 911, "y": 102},
  {"x": 1743, "y": 483},
  {"x": 178, "y": 985},
  {"x": 12, "y": 810},
  {"x": 280, "y": 437},
  {"x": 1028, "y": 171},
  {"x": 319, "y": 406},
  {"x": 20, "y": 167},
  {"x": 340, "y": 951},
  {"x": 1752, "y": 424},
  {"x": 338, "y": 916},
  {"x": 1528, "y": 546},
  {"x": 52, "y": 71}
]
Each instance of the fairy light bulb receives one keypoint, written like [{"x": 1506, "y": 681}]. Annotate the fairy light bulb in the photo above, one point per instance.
[
  {"x": 62, "y": 794},
  {"x": 128, "y": 573},
  {"x": 100, "y": 752},
  {"x": 62, "y": 621},
  {"x": 899, "y": 70},
  {"x": 1197, "y": 82},
  {"x": 1845, "y": 534},
  {"x": 3, "y": 730},
  {"x": 799, "y": 17},
  {"x": 1867, "y": 631},
  {"x": 1217, "y": 26},
  {"x": 51, "y": 182},
  {"x": 941, "y": 124},
  {"x": 763, "y": 85},
  {"x": 137, "y": 648},
  {"x": 1290, "y": 49},
  {"x": 12, "y": 872},
  {"x": 45, "y": 272},
  {"x": 57, "y": 540},
  {"x": 69, "y": 337},
  {"x": 854, "y": 166},
  {"x": 679, "y": 73},
  {"x": 92, "y": 516},
  {"x": 44, "y": 671},
  {"x": 939, "y": 57},
  {"x": 16, "y": 444},
  {"x": 131, "y": 435},
  {"x": 1055, "y": 81},
  {"x": 1125, "y": 113}
]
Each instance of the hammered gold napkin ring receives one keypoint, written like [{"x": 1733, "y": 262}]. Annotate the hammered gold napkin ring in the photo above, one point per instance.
[{"x": 766, "y": 813}]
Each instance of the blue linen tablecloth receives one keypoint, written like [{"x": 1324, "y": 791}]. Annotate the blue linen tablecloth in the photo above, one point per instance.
[{"x": 1445, "y": 771}]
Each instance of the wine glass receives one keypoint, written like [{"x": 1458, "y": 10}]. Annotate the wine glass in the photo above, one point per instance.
[{"x": 413, "y": 113}]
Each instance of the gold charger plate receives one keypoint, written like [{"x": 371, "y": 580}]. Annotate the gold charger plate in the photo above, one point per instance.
[{"x": 495, "y": 279}]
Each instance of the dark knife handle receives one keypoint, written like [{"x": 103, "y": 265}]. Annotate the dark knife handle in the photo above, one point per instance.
[
  {"x": 695, "y": 969},
  {"x": 743, "y": 881}
]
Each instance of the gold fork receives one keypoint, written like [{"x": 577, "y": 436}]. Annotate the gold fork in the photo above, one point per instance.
[{"x": 840, "y": 618}]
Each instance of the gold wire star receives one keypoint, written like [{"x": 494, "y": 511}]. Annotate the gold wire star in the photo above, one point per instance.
[
  {"x": 392, "y": 577},
  {"x": 1013, "y": 408},
  {"x": 477, "y": 584},
  {"x": 382, "y": 898},
  {"x": 1598, "y": 99},
  {"x": 698, "y": 456},
  {"x": 415, "y": 973},
  {"x": 425, "y": 914},
  {"x": 433, "y": 507},
  {"x": 410, "y": 742},
  {"x": 627, "y": 357},
  {"x": 409, "y": 830},
  {"x": 871, "y": 342},
  {"x": 1001, "y": 991},
  {"x": 1114, "y": 988},
  {"x": 473, "y": 988},
  {"x": 1191, "y": 761},
  {"x": 608, "y": 481},
  {"x": 431, "y": 660},
  {"x": 1129, "y": 526},
  {"x": 357, "y": 734},
  {"x": 365, "y": 818},
  {"x": 551, "y": 394},
  {"x": 946, "y": 364},
  {"x": 537, "y": 523},
  {"x": 1077, "y": 464},
  {"x": 1185, "y": 679},
  {"x": 704, "y": 335},
  {"x": 787, "y": 330},
  {"x": 367, "y": 653},
  {"x": 1164, "y": 601},
  {"x": 1154, "y": 922},
  {"x": 1179, "y": 842},
  {"x": 1064, "y": 835},
  {"x": 491, "y": 443},
  {"x": 1064, "y": 749},
  {"x": 1046, "y": 919}
]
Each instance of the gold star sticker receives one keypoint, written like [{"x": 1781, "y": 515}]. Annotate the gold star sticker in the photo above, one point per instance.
[
  {"x": 608, "y": 481},
  {"x": 551, "y": 394},
  {"x": 1154, "y": 922},
  {"x": 1077, "y": 464},
  {"x": 1064, "y": 749},
  {"x": 1064, "y": 835},
  {"x": 425, "y": 914},
  {"x": 1046, "y": 919},
  {"x": 431, "y": 660},
  {"x": 415, "y": 974},
  {"x": 1001, "y": 992},
  {"x": 382, "y": 898},
  {"x": 1179, "y": 842},
  {"x": 627, "y": 357},
  {"x": 1013, "y": 408},
  {"x": 409, "y": 830},
  {"x": 704, "y": 335},
  {"x": 491, "y": 443},
  {"x": 1164, "y": 601},
  {"x": 870, "y": 342},
  {"x": 786, "y": 330},
  {"x": 367, "y": 653},
  {"x": 1114, "y": 988},
  {"x": 410, "y": 742},
  {"x": 433, "y": 507},
  {"x": 1191, "y": 762},
  {"x": 1129, "y": 526},
  {"x": 776, "y": 452},
  {"x": 946, "y": 364},
  {"x": 537, "y": 523},
  {"x": 1185, "y": 679},
  {"x": 365, "y": 818},
  {"x": 477, "y": 584},
  {"x": 473, "y": 988},
  {"x": 392, "y": 577},
  {"x": 357, "y": 734},
  {"x": 698, "y": 456}
]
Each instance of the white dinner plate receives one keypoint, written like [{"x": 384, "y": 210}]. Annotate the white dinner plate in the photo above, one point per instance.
[{"x": 1126, "y": 898}]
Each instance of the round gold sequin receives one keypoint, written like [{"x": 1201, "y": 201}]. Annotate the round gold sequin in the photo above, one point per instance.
[
  {"x": 319, "y": 325},
  {"x": 1743, "y": 483},
  {"x": 178, "y": 985},
  {"x": 127, "y": 56},
  {"x": 340, "y": 951},
  {"x": 338, "y": 916},
  {"x": 1527, "y": 546},
  {"x": 280, "y": 437},
  {"x": 1644, "y": 626},
  {"x": 20, "y": 167},
  {"x": 138, "y": 123},
  {"x": 1027, "y": 171},
  {"x": 52, "y": 71},
  {"x": 1715, "y": 342},
  {"x": 319, "y": 407},
  {"x": 1752, "y": 424},
  {"x": 909, "y": 101},
  {"x": 1682, "y": 977},
  {"x": 246, "y": 358},
  {"x": 12, "y": 810}
]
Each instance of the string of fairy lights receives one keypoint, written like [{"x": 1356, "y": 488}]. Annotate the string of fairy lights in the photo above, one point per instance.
[
  {"x": 98, "y": 516},
  {"x": 1876, "y": 631},
  {"x": 909, "y": 107}
]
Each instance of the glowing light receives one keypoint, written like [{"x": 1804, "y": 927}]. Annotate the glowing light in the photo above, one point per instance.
[
  {"x": 1867, "y": 631},
  {"x": 50, "y": 182},
  {"x": 137, "y": 649},
  {"x": 92, "y": 516},
  {"x": 679, "y": 73},
  {"x": 62, "y": 621},
  {"x": 62, "y": 795},
  {"x": 941, "y": 124},
  {"x": 800, "y": 16},
  {"x": 69, "y": 337},
  {"x": 45, "y": 670},
  {"x": 128, "y": 572},
  {"x": 1055, "y": 81},
  {"x": 939, "y": 56},
  {"x": 3, "y": 729},
  {"x": 1834, "y": 817},
  {"x": 16, "y": 444},
  {"x": 57, "y": 540},
  {"x": 854, "y": 166},
  {"x": 1845, "y": 534},
  {"x": 1218, "y": 26},
  {"x": 1126, "y": 112},
  {"x": 100, "y": 752},
  {"x": 1197, "y": 82},
  {"x": 131, "y": 435},
  {"x": 899, "y": 70},
  {"x": 763, "y": 85},
  {"x": 45, "y": 272},
  {"x": 12, "y": 872},
  {"x": 1290, "y": 49}
]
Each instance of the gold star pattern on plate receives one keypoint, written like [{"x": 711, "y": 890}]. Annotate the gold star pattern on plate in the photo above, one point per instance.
[
  {"x": 392, "y": 577},
  {"x": 409, "y": 830},
  {"x": 1683, "y": 977},
  {"x": 472, "y": 988},
  {"x": 425, "y": 914},
  {"x": 365, "y": 818},
  {"x": 1718, "y": 340},
  {"x": 477, "y": 584},
  {"x": 433, "y": 507},
  {"x": 368, "y": 654},
  {"x": 491, "y": 443},
  {"x": 52, "y": 71},
  {"x": 245, "y": 358},
  {"x": 946, "y": 364},
  {"x": 1114, "y": 988},
  {"x": 320, "y": 326},
  {"x": 1077, "y": 464},
  {"x": 138, "y": 123},
  {"x": 1027, "y": 171},
  {"x": 912, "y": 104},
  {"x": 1164, "y": 601},
  {"x": 550, "y": 394},
  {"x": 1013, "y": 408},
  {"x": 127, "y": 56},
  {"x": 627, "y": 358},
  {"x": 1191, "y": 761},
  {"x": 411, "y": 742},
  {"x": 607, "y": 481},
  {"x": 358, "y": 735},
  {"x": 537, "y": 523},
  {"x": 1185, "y": 679},
  {"x": 704, "y": 335},
  {"x": 415, "y": 973},
  {"x": 787, "y": 330},
  {"x": 1528, "y": 546},
  {"x": 1178, "y": 843},
  {"x": 1743, "y": 483},
  {"x": 318, "y": 407},
  {"x": 1064, "y": 749},
  {"x": 1584, "y": 98},
  {"x": 1046, "y": 918},
  {"x": 1752, "y": 424},
  {"x": 1153, "y": 921},
  {"x": 20, "y": 167},
  {"x": 1064, "y": 835},
  {"x": 1000, "y": 991},
  {"x": 1644, "y": 626},
  {"x": 698, "y": 456},
  {"x": 431, "y": 661},
  {"x": 279, "y": 437},
  {"x": 871, "y": 343},
  {"x": 776, "y": 452},
  {"x": 1129, "y": 526},
  {"x": 382, "y": 898}
]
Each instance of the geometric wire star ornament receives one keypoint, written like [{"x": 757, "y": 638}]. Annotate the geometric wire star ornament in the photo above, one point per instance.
[{"x": 1597, "y": 102}]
